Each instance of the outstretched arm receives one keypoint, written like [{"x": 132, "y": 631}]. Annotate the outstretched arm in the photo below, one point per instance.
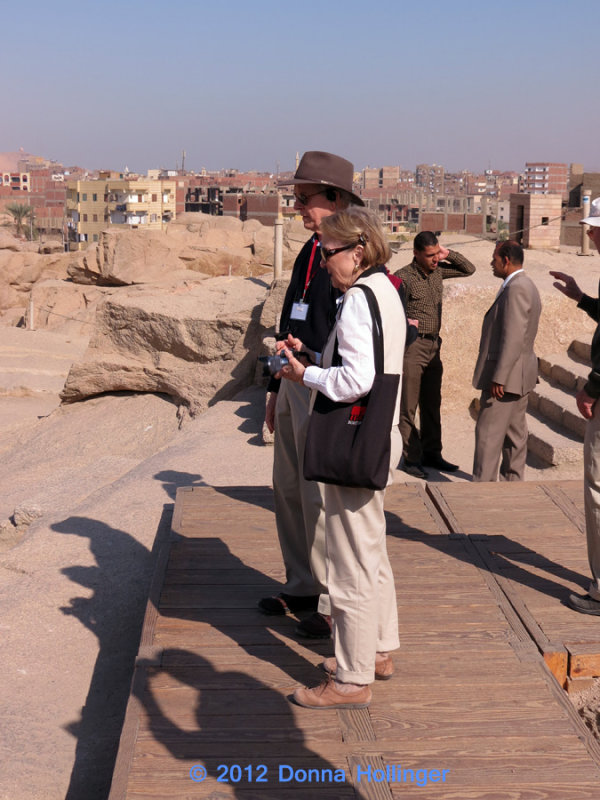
[{"x": 567, "y": 285}]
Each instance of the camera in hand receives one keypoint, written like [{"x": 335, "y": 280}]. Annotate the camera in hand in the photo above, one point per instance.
[{"x": 273, "y": 364}]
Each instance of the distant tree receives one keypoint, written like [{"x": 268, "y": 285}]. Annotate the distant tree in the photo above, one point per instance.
[
  {"x": 22, "y": 215},
  {"x": 503, "y": 231}
]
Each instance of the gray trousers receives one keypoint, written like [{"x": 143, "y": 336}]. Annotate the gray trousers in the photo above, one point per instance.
[
  {"x": 591, "y": 493},
  {"x": 299, "y": 510},
  {"x": 501, "y": 435}
]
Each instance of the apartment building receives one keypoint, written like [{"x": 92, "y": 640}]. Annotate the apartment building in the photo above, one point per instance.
[
  {"x": 430, "y": 177},
  {"x": 543, "y": 177},
  {"x": 14, "y": 188},
  {"x": 16, "y": 181},
  {"x": 111, "y": 200}
]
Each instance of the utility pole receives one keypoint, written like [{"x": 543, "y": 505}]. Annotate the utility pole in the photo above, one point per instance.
[{"x": 183, "y": 160}]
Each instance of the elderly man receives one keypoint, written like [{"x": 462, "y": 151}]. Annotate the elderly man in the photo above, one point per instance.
[
  {"x": 589, "y": 408},
  {"x": 322, "y": 185},
  {"x": 422, "y": 379},
  {"x": 506, "y": 369}
]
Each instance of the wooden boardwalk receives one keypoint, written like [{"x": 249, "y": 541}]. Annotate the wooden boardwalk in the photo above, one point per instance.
[{"x": 474, "y": 711}]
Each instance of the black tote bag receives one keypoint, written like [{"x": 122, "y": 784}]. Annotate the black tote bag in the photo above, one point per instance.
[{"x": 348, "y": 444}]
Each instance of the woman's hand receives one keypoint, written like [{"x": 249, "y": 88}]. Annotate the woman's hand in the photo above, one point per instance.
[
  {"x": 294, "y": 371},
  {"x": 291, "y": 343}
]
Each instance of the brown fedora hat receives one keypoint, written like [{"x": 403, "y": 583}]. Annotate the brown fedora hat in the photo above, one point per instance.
[{"x": 325, "y": 169}]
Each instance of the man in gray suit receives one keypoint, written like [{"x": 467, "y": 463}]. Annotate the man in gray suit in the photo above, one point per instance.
[{"x": 506, "y": 369}]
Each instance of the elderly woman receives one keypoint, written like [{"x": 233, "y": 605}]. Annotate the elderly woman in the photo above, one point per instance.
[{"x": 359, "y": 576}]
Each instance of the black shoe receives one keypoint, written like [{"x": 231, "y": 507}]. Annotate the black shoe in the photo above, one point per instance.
[
  {"x": 414, "y": 469},
  {"x": 437, "y": 462},
  {"x": 584, "y": 604},
  {"x": 317, "y": 626},
  {"x": 278, "y": 606}
]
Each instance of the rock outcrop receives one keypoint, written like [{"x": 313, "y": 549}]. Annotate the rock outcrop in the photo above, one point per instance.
[
  {"x": 197, "y": 343},
  {"x": 191, "y": 248},
  {"x": 193, "y": 242}
]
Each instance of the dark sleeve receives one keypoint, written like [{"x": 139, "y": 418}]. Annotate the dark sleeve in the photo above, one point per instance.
[
  {"x": 321, "y": 299},
  {"x": 591, "y": 307},
  {"x": 592, "y": 386}
]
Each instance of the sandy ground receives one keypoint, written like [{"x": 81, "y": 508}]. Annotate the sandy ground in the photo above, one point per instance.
[{"x": 104, "y": 474}]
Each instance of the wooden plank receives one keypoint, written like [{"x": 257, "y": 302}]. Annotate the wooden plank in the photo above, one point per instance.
[
  {"x": 365, "y": 771},
  {"x": 566, "y": 504},
  {"x": 482, "y": 789},
  {"x": 474, "y": 695},
  {"x": 557, "y": 660},
  {"x": 125, "y": 754},
  {"x": 584, "y": 659}
]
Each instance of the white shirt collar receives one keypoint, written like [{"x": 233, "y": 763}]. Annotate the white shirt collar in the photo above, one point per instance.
[
  {"x": 510, "y": 277},
  {"x": 506, "y": 280}
]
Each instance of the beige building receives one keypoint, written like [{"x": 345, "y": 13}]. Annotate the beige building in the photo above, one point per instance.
[
  {"x": 535, "y": 220},
  {"x": 95, "y": 205}
]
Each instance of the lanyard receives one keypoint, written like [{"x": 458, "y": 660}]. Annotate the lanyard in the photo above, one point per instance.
[{"x": 310, "y": 273}]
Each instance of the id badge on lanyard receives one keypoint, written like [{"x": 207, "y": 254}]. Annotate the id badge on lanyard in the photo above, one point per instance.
[{"x": 300, "y": 308}]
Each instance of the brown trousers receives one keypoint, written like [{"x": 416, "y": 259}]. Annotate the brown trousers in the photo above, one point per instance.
[{"x": 422, "y": 389}]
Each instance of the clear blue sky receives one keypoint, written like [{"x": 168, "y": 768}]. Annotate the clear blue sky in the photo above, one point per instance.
[{"x": 245, "y": 84}]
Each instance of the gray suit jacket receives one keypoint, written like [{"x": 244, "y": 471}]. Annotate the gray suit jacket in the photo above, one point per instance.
[{"x": 507, "y": 335}]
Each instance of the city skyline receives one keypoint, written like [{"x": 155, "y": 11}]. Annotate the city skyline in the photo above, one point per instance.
[{"x": 246, "y": 87}]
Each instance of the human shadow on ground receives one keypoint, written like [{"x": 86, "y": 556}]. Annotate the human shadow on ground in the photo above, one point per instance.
[
  {"x": 507, "y": 557},
  {"x": 210, "y": 600},
  {"x": 114, "y": 614},
  {"x": 236, "y": 726},
  {"x": 253, "y": 417},
  {"x": 255, "y": 495},
  {"x": 173, "y": 479}
]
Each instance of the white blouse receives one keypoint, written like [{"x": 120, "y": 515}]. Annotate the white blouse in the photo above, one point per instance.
[{"x": 355, "y": 377}]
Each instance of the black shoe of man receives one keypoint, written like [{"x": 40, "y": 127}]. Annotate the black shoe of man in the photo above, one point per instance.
[
  {"x": 415, "y": 469},
  {"x": 584, "y": 604},
  {"x": 317, "y": 626},
  {"x": 439, "y": 463}
]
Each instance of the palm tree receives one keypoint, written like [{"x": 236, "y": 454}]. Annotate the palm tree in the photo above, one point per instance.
[{"x": 20, "y": 213}]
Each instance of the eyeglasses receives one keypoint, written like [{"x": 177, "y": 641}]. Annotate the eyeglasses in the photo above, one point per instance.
[
  {"x": 326, "y": 254},
  {"x": 303, "y": 199}
]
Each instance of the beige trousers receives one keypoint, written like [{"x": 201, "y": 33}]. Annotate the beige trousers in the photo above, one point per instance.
[
  {"x": 299, "y": 511},
  {"x": 359, "y": 576},
  {"x": 591, "y": 493}
]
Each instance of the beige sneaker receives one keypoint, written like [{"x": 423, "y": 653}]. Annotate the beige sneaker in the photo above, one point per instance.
[
  {"x": 384, "y": 669},
  {"x": 327, "y": 696}
]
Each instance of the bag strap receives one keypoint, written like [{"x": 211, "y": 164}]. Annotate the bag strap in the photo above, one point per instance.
[{"x": 377, "y": 330}]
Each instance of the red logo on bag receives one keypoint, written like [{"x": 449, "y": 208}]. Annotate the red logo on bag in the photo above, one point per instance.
[{"x": 356, "y": 415}]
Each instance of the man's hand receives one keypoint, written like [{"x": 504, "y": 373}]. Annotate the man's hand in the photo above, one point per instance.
[
  {"x": 444, "y": 253},
  {"x": 585, "y": 404},
  {"x": 270, "y": 411},
  {"x": 497, "y": 391},
  {"x": 570, "y": 287}
]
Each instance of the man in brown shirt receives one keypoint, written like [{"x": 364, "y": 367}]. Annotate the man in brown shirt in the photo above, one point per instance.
[{"x": 422, "y": 379}]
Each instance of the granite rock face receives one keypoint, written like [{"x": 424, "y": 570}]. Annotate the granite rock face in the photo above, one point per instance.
[
  {"x": 197, "y": 344},
  {"x": 193, "y": 242}
]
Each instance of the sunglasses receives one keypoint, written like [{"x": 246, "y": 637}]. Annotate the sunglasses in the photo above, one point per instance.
[
  {"x": 326, "y": 253},
  {"x": 303, "y": 199}
]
